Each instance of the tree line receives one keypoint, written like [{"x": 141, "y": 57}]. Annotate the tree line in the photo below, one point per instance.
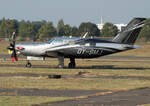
[{"x": 44, "y": 30}]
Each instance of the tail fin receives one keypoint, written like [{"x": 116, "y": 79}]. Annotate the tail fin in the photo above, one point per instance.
[{"x": 131, "y": 32}]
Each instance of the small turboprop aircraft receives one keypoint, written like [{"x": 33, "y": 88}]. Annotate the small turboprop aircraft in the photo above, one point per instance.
[{"x": 70, "y": 47}]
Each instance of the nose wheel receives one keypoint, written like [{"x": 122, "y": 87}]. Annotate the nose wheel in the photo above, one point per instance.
[
  {"x": 72, "y": 63},
  {"x": 28, "y": 64}
]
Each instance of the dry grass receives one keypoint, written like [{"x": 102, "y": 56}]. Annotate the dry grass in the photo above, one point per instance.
[
  {"x": 137, "y": 69},
  {"x": 143, "y": 51},
  {"x": 27, "y": 101},
  {"x": 3, "y": 47},
  {"x": 70, "y": 83}
]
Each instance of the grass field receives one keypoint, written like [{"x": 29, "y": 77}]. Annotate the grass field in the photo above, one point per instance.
[{"x": 94, "y": 67}]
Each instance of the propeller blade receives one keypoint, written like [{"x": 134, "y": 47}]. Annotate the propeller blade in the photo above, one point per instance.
[
  {"x": 14, "y": 36},
  {"x": 14, "y": 56},
  {"x": 12, "y": 59},
  {"x": 12, "y": 49}
]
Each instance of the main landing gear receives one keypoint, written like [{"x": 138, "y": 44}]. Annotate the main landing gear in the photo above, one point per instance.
[
  {"x": 72, "y": 63},
  {"x": 61, "y": 62},
  {"x": 28, "y": 64}
]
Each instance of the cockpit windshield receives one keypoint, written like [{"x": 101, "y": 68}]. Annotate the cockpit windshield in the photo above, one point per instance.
[
  {"x": 61, "y": 40},
  {"x": 50, "y": 41},
  {"x": 55, "y": 40}
]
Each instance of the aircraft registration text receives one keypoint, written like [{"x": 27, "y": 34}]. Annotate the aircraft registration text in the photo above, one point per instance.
[{"x": 88, "y": 51}]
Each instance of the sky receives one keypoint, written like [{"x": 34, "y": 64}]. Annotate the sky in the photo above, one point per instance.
[{"x": 74, "y": 12}]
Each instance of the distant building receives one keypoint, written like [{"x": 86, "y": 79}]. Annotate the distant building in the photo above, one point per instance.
[{"x": 119, "y": 26}]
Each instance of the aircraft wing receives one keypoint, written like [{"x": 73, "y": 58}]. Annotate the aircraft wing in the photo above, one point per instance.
[
  {"x": 52, "y": 53},
  {"x": 58, "y": 50}
]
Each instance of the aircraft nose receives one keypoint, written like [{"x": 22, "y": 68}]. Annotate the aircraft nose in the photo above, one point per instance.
[{"x": 20, "y": 48}]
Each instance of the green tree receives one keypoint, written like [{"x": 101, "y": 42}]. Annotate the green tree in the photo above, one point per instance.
[
  {"x": 3, "y": 30},
  {"x": 36, "y": 26},
  {"x": 75, "y": 31},
  {"x": 47, "y": 31},
  {"x": 89, "y": 27},
  {"x": 109, "y": 30},
  {"x": 23, "y": 31},
  {"x": 26, "y": 31},
  {"x": 7, "y": 27},
  {"x": 67, "y": 30},
  {"x": 145, "y": 32},
  {"x": 0, "y": 22},
  {"x": 60, "y": 26},
  {"x": 32, "y": 32}
]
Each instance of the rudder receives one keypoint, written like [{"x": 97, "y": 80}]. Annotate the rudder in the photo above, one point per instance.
[{"x": 131, "y": 32}]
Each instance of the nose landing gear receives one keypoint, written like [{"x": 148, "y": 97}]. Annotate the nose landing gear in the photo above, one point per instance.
[{"x": 72, "y": 63}]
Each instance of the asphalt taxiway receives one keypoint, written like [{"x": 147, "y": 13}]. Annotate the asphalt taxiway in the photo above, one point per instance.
[{"x": 134, "y": 97}]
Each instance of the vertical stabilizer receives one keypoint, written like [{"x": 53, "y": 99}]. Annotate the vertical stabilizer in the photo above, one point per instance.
[{"x": 131, "y": 32}]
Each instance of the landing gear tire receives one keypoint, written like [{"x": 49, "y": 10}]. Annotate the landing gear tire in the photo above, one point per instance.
[
  {"x": 71, "y": 65},
  {"x": 60, "y": 66},
  {"x": 28, "y": 65}
]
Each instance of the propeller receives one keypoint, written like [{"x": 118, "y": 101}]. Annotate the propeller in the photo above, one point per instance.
[{"x": 12, "y": 49}]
